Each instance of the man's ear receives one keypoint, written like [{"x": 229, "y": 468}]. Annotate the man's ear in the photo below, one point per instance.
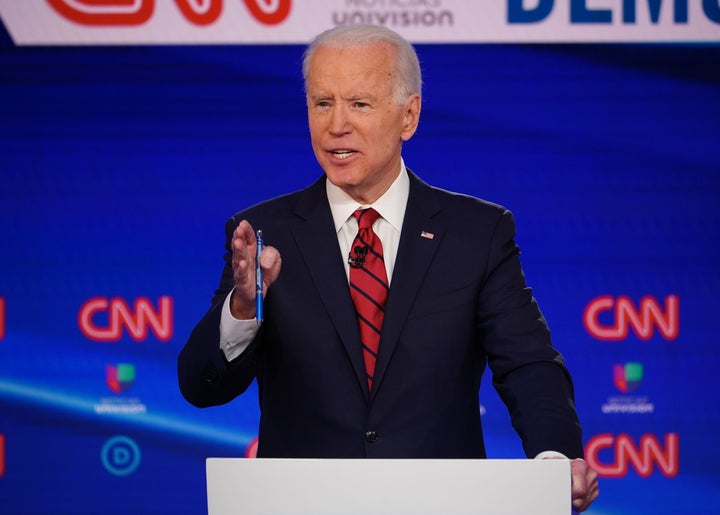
[{"x": 411, "y": 116}]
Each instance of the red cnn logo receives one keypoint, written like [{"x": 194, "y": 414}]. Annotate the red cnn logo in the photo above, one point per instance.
[
  {"x": 2, "y": 455},
  {"x": 643, "y": 319},
  {"x": 138, "y": 320},
  {"x": 251, "y": 449},
  {"x": 643, "y": 457},
  {"x": 2, "y": 318},
  {"x": 137, "y": 12}
]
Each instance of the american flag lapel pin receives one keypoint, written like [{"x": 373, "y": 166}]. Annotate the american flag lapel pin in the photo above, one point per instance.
[{"x": 428, "y": 235}]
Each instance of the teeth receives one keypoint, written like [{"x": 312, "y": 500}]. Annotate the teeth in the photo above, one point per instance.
[{"x": 342, "y": 154}]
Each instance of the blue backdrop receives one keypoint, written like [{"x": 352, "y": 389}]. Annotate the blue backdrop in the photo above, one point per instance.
[{"x": 120, "y": 165}]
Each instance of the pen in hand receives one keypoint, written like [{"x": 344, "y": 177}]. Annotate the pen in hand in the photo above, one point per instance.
[{"x": 258, "y": 280}]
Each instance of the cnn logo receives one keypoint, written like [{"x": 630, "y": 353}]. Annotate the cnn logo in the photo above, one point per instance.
[
  {"x": 2, "y": 318},
  {"x": 138, "y": 12},
  {"x": 610, "y": 319},
  {"x": 138, "y": 320},
  {"x": 2, "y": 455},
  {"x": 644, "y": 457}
]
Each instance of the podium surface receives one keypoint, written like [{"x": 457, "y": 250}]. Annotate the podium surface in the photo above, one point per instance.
[{"x": 397, "y": 486}]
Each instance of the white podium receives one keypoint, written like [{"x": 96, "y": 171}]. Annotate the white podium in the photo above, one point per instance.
[{"x": 370, "y": 487}]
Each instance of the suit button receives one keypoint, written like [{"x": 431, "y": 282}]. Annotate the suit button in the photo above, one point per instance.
[
  {"x": 371, "y": 436},
  {"x": 211, "y": 374}
]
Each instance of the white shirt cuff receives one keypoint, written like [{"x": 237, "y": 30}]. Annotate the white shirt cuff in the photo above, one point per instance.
[
  {"x": 235, "y": 335},
  {"x": 545, "y": 455}
]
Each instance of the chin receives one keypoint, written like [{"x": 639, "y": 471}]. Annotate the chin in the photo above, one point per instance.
[{"x": 340, "y": 176}]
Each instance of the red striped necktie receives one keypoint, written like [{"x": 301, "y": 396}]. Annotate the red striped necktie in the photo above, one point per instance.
[{"x": 368, "y": 286}]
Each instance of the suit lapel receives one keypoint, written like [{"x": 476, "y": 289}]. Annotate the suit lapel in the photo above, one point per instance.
[
  {"x": 419, "y": 241},
  {"x": 317, "y": 242}
]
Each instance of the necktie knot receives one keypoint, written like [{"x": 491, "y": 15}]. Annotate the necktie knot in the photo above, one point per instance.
[{"x": 366, "y": 217}]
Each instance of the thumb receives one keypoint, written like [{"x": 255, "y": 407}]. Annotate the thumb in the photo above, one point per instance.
[{"x": 270, "y": 262}]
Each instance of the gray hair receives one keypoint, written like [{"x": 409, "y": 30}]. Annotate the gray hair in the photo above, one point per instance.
[{"x": 348, "y": 36}]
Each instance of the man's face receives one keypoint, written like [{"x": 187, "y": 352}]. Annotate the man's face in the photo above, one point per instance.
[{"x": 356, "y": 124}]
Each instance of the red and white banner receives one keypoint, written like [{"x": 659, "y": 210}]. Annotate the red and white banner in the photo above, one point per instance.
[{"x": 80, "y": 22}]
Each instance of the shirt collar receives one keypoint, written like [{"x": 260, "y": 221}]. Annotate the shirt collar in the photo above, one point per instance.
[{"x": 391, "y": 205}]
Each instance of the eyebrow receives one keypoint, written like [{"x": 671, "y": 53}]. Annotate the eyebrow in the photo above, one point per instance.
[{"x": 352, "y": 97}]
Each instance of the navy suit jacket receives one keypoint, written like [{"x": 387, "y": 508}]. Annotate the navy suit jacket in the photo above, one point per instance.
[{"x": 458, "y": 301}]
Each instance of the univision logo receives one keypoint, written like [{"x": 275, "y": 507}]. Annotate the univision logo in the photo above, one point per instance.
[
  {"x": 627, "y": 377},
  {"x": 120, "y": 377}
]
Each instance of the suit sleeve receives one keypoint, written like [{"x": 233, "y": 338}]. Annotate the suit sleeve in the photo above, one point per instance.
[
  {"x": 205, "y": 376},
  {"x": 528, "y": 373}
]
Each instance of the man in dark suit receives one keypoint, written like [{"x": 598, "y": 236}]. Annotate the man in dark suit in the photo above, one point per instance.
[{"x": 439, "y": 273}]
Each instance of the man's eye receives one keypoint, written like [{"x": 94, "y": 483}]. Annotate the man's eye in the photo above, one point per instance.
[{"x": 361, "y": 105}]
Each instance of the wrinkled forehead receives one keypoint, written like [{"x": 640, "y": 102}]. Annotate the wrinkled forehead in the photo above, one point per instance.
[{"x": 369, "y": 66}]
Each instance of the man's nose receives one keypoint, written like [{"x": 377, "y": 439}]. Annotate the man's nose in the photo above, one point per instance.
[{"x": 339, "y": 121}]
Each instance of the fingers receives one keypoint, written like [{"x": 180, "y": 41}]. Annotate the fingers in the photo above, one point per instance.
[
  {"x": 244, "y": 249},
  {"x": 584, "y": 485},
  {"x": 244, "y": 245},
  {"x": 270, "y": 262}
]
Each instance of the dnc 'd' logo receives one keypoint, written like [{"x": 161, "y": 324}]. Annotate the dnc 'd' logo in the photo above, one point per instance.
[{"x": 120, "y": 455}]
